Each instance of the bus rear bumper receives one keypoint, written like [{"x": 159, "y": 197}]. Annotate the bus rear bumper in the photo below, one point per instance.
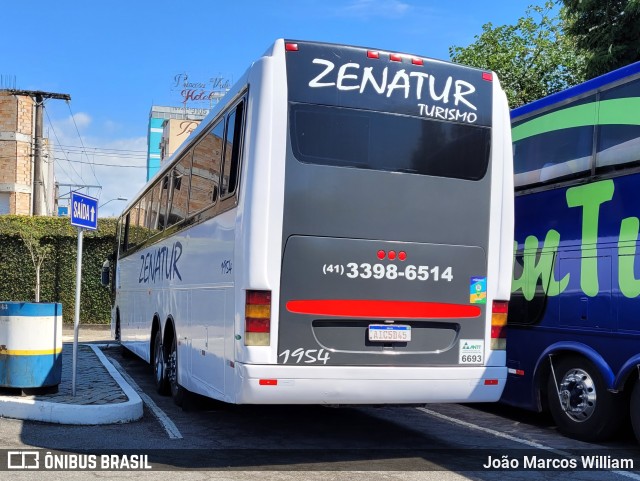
[{"x": 278, "y": 384}]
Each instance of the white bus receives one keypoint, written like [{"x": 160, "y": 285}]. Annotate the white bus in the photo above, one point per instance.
[{"x": 338, "y": 230}]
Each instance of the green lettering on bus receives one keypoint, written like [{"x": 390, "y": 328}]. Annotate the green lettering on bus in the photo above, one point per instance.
[
  {"x": 540, "y": 267},
  {"x": 629, "y": 285},
  {"x": 590, "y": 197}
]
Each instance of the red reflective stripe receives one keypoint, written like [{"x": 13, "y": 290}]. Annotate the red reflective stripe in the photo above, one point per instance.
[
  {"x": 383, "y": 309},
  {"x": 268, "y": 382},
  {"x": 490, "y": 382}
]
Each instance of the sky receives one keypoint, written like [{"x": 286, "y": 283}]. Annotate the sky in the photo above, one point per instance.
[{"x": 118, "y": 58}]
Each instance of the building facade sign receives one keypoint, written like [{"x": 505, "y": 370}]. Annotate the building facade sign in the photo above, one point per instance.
[{"x": 200, "y": 91}]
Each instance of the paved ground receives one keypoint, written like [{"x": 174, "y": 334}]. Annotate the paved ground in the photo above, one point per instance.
[
  {"x": 102, "y": 396},
  {"x": 94, "y": 384},
  {"x": 87, "y": 333}
]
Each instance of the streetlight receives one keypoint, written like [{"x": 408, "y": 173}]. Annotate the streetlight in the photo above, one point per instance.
[{"x": 111, "y": 200}]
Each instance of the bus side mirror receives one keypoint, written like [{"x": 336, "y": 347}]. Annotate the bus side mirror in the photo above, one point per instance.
[{"x": 104, "y": 277}]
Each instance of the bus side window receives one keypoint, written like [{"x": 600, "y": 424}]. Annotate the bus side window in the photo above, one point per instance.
[
  {"x": 205, "y": 171},
  {"x": 125, "y": 236},
  {"x": 232, "y": 151},
  {"x": 137, "y": 232},
  {"x": 617, "y": 143},
  {"x": 180, "y": 190},
  {"x": 156, "y": 220}
]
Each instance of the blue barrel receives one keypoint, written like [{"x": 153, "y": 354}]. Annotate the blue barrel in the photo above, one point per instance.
[{"x": 30, "y": 344}]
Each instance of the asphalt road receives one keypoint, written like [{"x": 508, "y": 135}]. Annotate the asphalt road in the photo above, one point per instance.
[{"x": 209, "y": 440}]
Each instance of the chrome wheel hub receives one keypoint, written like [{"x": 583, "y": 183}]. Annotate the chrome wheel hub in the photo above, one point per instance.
[{"x": 578, "y": 395}]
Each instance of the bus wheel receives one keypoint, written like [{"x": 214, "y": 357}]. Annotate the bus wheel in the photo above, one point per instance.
[
  {"x": 635, "y": 409},
  {"x": 177, "y": 391},
  {"x": 580, "y": 404},
  {"x": 159, "y": 367}
]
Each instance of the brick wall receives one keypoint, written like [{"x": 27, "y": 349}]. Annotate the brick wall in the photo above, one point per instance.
[{"x": 16, "y": 117}]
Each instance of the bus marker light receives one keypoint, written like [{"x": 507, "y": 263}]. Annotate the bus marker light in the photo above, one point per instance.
[
  {"x": 381, "y": 254},
  {"x": 402, "y": 255},
  {"x": 488, "y": 76},
  {"x": 373, "y": 54},
  {"x": 268, "y": 382},
  {"x": 490, "y": 382},
  {"x": 392, "y": 255},
  {"x": 417, "y": 61},
  {"x": 394, "y": 57},
  {"x": 291, "y": 47}
]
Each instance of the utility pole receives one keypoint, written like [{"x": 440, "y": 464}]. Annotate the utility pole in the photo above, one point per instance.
[{"x": 39, "y": 98}]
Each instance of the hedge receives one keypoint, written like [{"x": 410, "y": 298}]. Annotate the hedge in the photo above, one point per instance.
[{"x": 58, "y": 272}]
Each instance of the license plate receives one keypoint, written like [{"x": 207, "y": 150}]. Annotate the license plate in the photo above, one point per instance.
[{"x": 389, "y": 333}]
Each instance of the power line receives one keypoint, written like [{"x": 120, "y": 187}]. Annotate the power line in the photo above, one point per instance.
[
  {"x": 93, "y": 169},
  {"x": 141, "y": 152},
  {"x": 106, "y": 165},
  {"x": 58, "y": 141},
  {"x": 105, "y": 154}
]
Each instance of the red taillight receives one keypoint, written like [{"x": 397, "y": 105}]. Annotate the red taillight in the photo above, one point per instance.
[
  {"x": 261, "y": 298},
  {"x": 373, "y": 54},
  {"x": 498, "y": 332},
  {"x": 488, "y": 76},
  {"x": 499, "y": 311},
  {"x": 394, "y": 57},
  {"x": 500, "y": 307},
  {"x": 291, "y": 47},
  {"x": 258, "y": 325},
  {"x": 257, "y": 318}
]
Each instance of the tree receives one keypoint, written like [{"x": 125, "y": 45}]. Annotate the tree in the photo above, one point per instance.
[
  {"x": 533, "y": 58},
  {"x": 607, "y": 31},
  {"x": 32, "y": 238}
]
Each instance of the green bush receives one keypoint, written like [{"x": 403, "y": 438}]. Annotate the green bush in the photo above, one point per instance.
[{"x": 58, "y": 273}]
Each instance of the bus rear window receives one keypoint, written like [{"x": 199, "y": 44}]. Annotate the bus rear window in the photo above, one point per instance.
[{"x": 366, "y": 139}]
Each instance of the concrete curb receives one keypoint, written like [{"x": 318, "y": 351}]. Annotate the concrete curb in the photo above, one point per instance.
[{"x": 61, "y": 413}]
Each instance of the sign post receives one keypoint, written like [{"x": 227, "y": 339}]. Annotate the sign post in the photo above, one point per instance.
[{"x": 84, "y": 215}]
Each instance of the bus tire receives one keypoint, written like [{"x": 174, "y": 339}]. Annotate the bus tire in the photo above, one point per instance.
[
  {"x": 177, "y": 391},
  {"x": 585, "y": 409},
  {"x": 159, "y": 365},
  {"x": 634, "y": 409}
]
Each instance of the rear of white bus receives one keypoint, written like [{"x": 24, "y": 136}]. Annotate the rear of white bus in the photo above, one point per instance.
[{"x": 396, "y": 221}]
